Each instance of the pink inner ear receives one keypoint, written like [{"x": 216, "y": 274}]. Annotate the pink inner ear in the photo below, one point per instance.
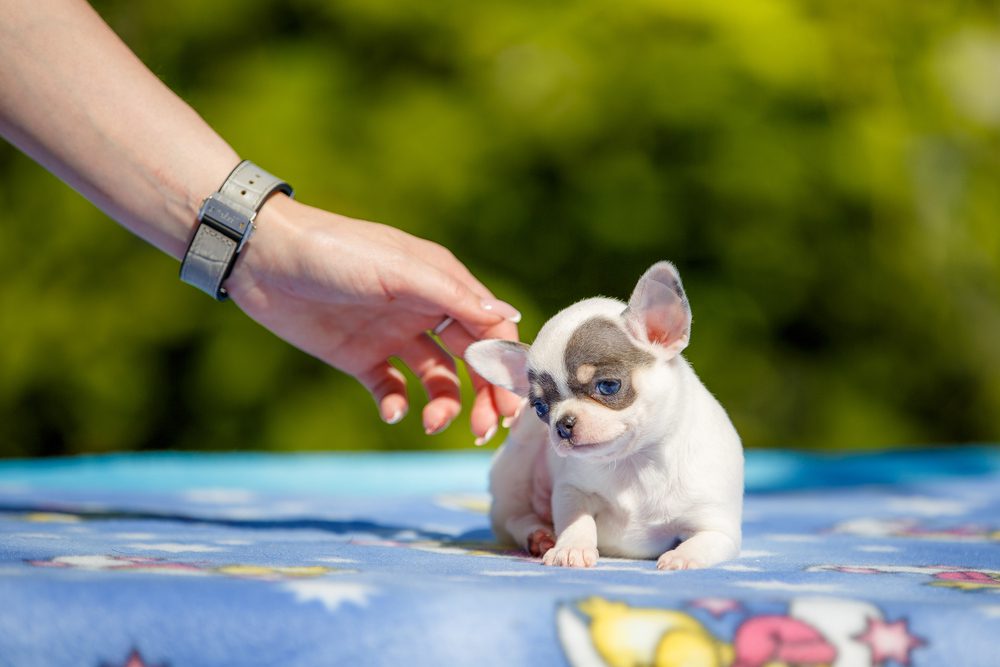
[
  {"x": 656, "y": 313},
  {"x": 661, "y": 328},
  {"x": 667, "y": 327}
]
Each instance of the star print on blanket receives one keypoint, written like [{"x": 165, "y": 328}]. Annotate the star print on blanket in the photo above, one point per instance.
[
  {"x": 885, "y": 560},
  {"x": 134, "y": 659}
]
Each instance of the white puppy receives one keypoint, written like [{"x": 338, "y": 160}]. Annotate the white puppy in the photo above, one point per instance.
[{"x": 642, "y": 456}]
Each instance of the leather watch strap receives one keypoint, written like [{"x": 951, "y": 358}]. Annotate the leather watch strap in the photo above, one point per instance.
[{"x": 225, "y": 224}]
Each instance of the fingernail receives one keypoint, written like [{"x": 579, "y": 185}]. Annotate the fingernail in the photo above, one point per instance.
[
  {"x": 503, "y": 309},
  {"x": 509, "y": 421},
  {"x": 395, "y": 417},
  {"x": 441, "y": 427},
  {"x": 487, "y": 436}
]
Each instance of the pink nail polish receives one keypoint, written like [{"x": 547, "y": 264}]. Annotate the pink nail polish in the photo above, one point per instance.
[
  {"x": 503, "y": 309},
  {"x": 396, "y": 416},
  {"x": 486, "y": 436},
  {"x": 439, "y": 429},
  {"x": 509, "y": 421}
]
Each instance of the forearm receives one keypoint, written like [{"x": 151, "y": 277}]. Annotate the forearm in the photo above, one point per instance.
[
  {"x": 77, "y": 100},
  {"x": 349, "y": 292}
]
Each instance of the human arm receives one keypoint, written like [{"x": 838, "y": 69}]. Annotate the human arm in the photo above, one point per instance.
[{"x": 352, "y": 293}]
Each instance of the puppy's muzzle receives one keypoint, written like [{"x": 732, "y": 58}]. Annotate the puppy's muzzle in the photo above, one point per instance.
[{"x": 564, "y": 427}]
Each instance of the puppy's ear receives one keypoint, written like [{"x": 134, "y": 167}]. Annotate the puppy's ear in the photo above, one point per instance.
[
  {"x": 658, "y": 311},
  {"x": 501, "y": 362}
]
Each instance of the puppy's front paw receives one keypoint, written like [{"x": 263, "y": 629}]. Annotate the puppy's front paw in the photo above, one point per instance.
[
  {"x": 674, "y": 560},
  {"x": 570, "y": 556},
  {"x": 540, "y": 542},
  {"x": 703, "y": 549}
]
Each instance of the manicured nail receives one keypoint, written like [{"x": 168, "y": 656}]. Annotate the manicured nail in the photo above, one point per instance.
[
  {"x": 509, "y": 421},
  {"x": 487, "y": 436},
  {"x": 395, "y": 417},
  {"x": 441, "y": 427},
  {"x": 503, "y": 309}
]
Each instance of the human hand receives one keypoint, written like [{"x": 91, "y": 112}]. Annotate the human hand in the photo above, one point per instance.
[
  {"x": 352, "y": 293},
  {"x": 355, "y": 293}
]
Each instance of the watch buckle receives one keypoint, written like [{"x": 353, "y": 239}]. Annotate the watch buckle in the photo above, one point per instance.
[{"x": 221, "y": 215}]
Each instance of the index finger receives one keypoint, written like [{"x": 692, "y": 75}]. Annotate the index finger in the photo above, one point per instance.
[{"x": 438, "y": 292}]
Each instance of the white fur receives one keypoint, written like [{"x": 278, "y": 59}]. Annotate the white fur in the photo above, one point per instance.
[{"x": 630, "y": 482}]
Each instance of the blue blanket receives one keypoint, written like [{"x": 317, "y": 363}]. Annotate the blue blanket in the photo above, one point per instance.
[{"x": 186, "y": 560}]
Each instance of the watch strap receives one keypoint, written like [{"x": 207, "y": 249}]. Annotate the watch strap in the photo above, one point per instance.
[
  {"x": 225, "y": 224},
  {"x": 249, "y": 186},
  {"x": 208, "y": 257}
]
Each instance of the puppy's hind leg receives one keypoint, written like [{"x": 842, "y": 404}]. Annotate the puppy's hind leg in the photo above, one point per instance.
[
  {"x": 531, "y": 533},
  {"x": 515, "y": 518},
  {"x": 515, "y": 522},
  {"x": 521, "y": 512}
]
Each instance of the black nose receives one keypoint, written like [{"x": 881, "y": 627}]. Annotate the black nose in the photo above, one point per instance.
[{"x": 564, "y": 427}]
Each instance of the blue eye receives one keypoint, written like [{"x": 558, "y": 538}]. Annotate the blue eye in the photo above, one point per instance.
[
  {"x": 541, "y": 408},
  {"x": 608, "y": 387}
]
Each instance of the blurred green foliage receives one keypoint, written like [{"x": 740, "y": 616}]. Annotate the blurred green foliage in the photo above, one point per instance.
[{"x": 825, "y": 173}]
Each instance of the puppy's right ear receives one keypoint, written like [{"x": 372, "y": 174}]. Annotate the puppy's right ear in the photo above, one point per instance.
[
  {"x": 501, "y": 362},
  {"x": 658, "y": 311}
]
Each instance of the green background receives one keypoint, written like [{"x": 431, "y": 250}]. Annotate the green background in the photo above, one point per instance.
[{"x": 825, "y": 174}]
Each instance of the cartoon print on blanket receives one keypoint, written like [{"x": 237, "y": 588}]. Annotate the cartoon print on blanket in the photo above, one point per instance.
[
  {"x": 916, "y": 529},
  {"x": 456, "y": 547},
  {"x": 942, "y": 576},
  {"x": 110, "y": 563},
  {"x": 597, "y": 632}
]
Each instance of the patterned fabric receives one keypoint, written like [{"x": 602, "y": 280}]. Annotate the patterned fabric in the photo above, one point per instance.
[{"x": 186, "y": 560}]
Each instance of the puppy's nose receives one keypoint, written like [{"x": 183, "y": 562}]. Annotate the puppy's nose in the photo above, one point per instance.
[{"x": 564, "y": 427}]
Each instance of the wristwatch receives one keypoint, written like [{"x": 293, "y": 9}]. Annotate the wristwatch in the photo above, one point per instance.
[{"x": 225, "y": 224}]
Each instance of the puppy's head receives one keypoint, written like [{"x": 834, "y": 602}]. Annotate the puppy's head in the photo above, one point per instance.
[{"x": 590, "y": 374}]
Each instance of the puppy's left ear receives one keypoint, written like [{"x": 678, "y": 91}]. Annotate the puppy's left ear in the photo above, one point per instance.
[
  {"x": 658, "y": 311},
  {"x": 501, "y": 362}
]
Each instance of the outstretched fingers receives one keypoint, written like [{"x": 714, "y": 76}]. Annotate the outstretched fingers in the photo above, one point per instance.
[{"x": 491, "y": 403}]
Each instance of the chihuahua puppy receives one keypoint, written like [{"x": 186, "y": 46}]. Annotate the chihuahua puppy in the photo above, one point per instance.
[{"x": 627, "y": 454}]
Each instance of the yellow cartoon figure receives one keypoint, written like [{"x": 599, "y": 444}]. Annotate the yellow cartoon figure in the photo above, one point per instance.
[{"x": 623, "y": 636}]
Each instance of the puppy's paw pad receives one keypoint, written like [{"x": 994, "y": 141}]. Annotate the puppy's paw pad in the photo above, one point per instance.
[
  {"x": 677, "y": 561},
  {"x": 570, "y": 556},
  {"x": 540, "y": 541}
]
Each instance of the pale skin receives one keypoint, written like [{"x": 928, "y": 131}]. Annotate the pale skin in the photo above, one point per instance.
[{"x": 349, "y": 292}]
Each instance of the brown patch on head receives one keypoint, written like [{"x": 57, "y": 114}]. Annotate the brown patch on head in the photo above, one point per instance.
[{"x": 599, "y": 350}]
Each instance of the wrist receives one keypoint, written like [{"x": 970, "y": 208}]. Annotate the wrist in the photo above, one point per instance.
[
  {"x": 226, "y": 222},
  {"x": 266, "y": 256},
  {"x": 182, "y": 199}
]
